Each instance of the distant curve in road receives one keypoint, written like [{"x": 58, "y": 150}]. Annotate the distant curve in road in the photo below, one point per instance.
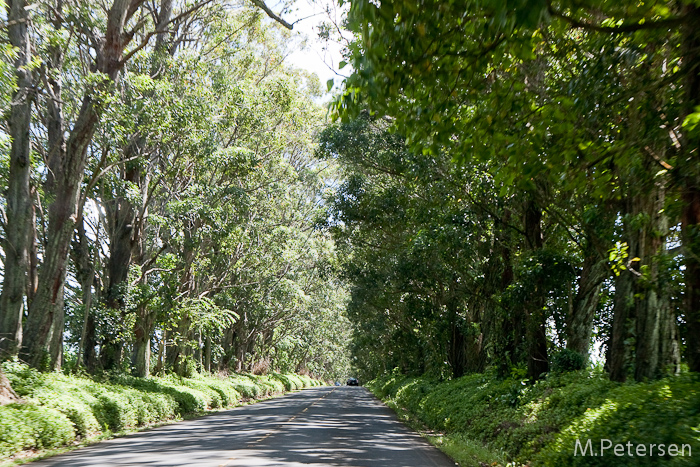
[{"x": 331, "y": 426}]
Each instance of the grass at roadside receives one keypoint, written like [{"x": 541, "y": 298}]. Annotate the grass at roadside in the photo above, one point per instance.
[
  {"x": 481, "y": 420},
  {"x": 67, "y": 410}
]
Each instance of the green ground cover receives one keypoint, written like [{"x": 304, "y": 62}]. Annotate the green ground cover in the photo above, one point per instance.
[
  {"x": 481, "y": 420},
  {"x": 62, "y": 409}
]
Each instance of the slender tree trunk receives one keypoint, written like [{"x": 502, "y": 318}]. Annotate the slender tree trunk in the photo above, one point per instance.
[
  {"x": 129, "y": 228},
  {"x": 143, "y": 329},
  {"x": 505, "y": 326},
  {"x": 19, "y": 201},
  {"x": 456, "y": 344},
  {"x": 85, "y": 273},
  {"x": 207, "y": 354},
  {"x": 227, "y": 343},
  {"x": 56, "y": 338},
  {"x": 120, "y": 221},
  {"x": 536, "y": 327},
  {"x": 32, "y": 273},
  {"x": 162, "y": 344}
]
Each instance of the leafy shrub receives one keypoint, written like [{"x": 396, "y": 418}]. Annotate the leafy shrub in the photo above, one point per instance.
[
  {"x": 62, "y": 407},
  {"x": 567, "y": 360},
  {"x": 27, "y": 426},
  {"x": 271, "y": 384},
  {"x": 245, "y": 387},
  {"x": 308, "y": 381},
  {"x": 113, "y": 411},
  {"x": 182, "y": 399},
  {"x": 663, "y": 412},
  {"x": 290, "y": 382},
  {"x": 227, "y": 393},
  {"x": 541, "y": 422}
]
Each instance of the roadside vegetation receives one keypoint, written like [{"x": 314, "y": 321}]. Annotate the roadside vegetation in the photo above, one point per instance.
[
  {"x": 59, "y": 410},
  {"x": 480, "y": 419}
]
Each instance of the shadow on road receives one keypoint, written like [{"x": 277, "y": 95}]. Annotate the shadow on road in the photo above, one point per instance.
[{"x": 344, "y": 426}]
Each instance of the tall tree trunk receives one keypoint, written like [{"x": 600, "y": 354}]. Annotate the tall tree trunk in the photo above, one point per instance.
[
  {"x": 84, "y": 273},
  {"x": 19, "y": 201},
  {"x": 207, "y": 354},
  {"x": 690, "y": 173},
  {"x": 691, "y": 242},
  {"x": 143, "y": 330},
  {"x": 642, "y": 307},
  {"x": 505, "y": 328},
  {"x": 121, "y": 217},
  {"x": 126, "y": 215},
  {"x": 536, "y": 327},
  {"x": 33, "y": 251},
  {"x": 63, "y": 185},
  {"x": 580, "y": 324},
  {"x": 618, "y": 357},
  {"x": 456, "y": 344},
  {"x": 63, "y": 211},
  {"x": 652, "y": 300}
]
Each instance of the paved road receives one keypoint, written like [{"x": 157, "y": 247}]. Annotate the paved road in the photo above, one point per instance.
[{"x": 334, "y": 426}]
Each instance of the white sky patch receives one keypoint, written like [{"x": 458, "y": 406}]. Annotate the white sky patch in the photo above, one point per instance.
[{"x": 319, "y": 56}]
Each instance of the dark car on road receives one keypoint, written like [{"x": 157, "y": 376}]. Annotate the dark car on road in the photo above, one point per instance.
[{"x": 353, "y": 382}]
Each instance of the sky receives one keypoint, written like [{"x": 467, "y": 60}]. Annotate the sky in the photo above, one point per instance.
[{"x": 318, "y": 57}]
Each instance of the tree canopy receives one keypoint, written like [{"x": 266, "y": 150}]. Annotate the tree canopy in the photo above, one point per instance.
[
  {"x": 163, "y": 194},
  {"x": 556, "y": 142}
]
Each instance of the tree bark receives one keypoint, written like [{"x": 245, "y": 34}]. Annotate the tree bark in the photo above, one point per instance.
[
  {"x": 691, "y": 242},
  {"x": 690, "y": 174},
  {"x": 623, "y": 315},
  {"x": 536, "y": 327},
  {"x": 207, "y": 354},
  {"x": 85, "y": 274},
  {"x": 653, "y": 304},
  {"x": 504, "y": 327},
  {"x": 18, "y": 198},
  {"x": 63, "y": 185},
  {"x": 642, "y": 308},
  {"x": 143, "y": 330},
  {"x": 456, "y": 344},
  {"x": 580, "y": 324},
  {"x": 7, "y": 394}
]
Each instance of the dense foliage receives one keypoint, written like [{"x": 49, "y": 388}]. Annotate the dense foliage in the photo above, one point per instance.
[
  {"x": 539, "y": 424},
  {"x": 520, "y": 179},
  {"x": 162, "y": 193}
]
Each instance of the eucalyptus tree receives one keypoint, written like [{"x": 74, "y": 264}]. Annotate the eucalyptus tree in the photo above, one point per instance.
[
  {"x": 18, "y": 220},
  {"x": 529, "y": 91},
  {"x": 82, "y": 49},
  {"x": 415, "y": 246}
]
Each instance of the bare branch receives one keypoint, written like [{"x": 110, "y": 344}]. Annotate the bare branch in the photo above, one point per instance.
[{"x": 261, "y": 4}]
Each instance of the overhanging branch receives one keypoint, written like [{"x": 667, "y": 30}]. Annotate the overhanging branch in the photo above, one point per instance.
[{"x": 261, "y": 4}]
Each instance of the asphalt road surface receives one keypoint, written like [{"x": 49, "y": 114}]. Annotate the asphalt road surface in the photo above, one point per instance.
[{"x": 332, "y": 426}]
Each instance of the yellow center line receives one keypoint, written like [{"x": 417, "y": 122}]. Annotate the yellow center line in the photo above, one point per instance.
[{"x": 277, "y": 428}]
